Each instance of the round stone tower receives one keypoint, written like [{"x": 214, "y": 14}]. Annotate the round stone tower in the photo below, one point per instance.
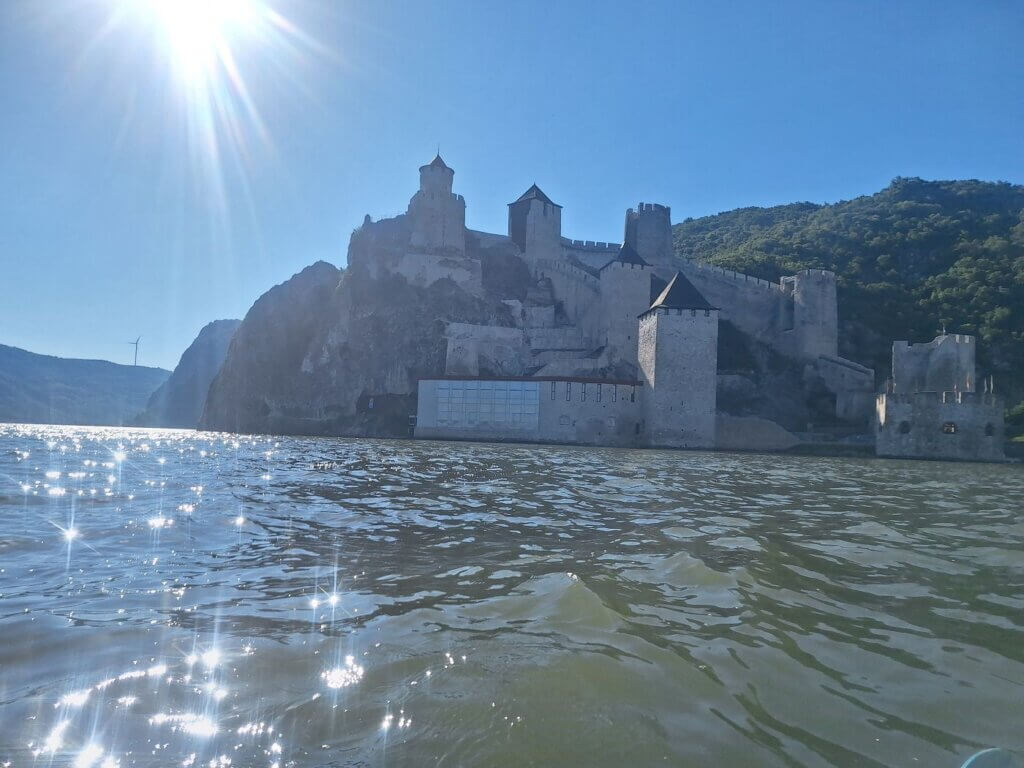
[{"x": 438, "y": 216}]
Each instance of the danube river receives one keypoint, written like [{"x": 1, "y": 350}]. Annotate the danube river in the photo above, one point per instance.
[{"x": 178, "y": 598}]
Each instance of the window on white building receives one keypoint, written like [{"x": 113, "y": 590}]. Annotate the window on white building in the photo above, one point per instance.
[{"x": 498, "y": 404}]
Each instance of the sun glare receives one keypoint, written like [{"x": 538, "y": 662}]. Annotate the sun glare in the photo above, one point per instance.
[
  {"x": 200, "y": 32},
  {"x": 200, "y": 78},
  {"x": 206, "y": 46}
]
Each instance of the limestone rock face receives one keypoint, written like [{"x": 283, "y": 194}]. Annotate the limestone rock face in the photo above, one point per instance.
[
  {"x": 340, "y": 352},
  {"x": 179, "y": 401}
]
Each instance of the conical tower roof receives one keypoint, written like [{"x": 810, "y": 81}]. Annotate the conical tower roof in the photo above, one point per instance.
[
  {"x": 680, "y": 293},
  {"x": 437, "y": 162},
  {"x": 535, "y": 193},
  {"x": 627, "y": 255}
]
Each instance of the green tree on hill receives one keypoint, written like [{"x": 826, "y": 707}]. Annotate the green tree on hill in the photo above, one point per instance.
[{"x": 915, "y": 258}]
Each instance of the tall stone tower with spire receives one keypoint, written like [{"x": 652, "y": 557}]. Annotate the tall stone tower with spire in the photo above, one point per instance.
[
  {"x": 438, "y": 215},
  {"x": 678, "y": 360}
]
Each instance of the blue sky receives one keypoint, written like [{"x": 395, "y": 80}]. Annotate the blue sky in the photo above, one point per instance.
[{"x": 116, "y": 219}]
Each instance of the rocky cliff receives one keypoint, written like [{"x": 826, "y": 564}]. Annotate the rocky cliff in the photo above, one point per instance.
[
  {"x": 43, "y": 389},
  {"x": 179, "y": 401},
  {"x": 339, "y": 352}
]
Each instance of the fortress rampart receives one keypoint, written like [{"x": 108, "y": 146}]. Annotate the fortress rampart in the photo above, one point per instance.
[
  {"x": 736, "y": 279},
  {"x": 590, "y": 245},
  {"x": 797, "y": 316}
]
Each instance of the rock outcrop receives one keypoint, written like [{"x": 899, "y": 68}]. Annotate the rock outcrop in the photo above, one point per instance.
[
  {"x": 340, "y": 352},
  {"x": 180, "y": 400},
  {"x": 42, "y": 389}
]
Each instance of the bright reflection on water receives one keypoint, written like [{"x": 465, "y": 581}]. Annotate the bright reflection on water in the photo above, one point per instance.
[{"x": 169, "y": 598}]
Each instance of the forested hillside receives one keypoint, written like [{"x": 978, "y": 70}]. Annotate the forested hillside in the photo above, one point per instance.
[
  {"x": 915, "y": 258},
  {"x": 43, "y": 389}
]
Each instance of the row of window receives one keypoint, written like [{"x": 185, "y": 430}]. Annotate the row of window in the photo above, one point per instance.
[
  {"x": 597, "y": 391},
  {"x": 502, "y": 404}
]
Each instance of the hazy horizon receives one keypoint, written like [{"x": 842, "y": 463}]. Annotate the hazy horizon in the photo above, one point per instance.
[{"x": 148, "y": 195}]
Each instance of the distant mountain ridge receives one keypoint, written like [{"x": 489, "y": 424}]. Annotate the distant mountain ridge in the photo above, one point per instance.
[
  {"x": 912, "y": 259},
  {"x": 179, "y": 401},
  {"x": 44, "y": 389}
]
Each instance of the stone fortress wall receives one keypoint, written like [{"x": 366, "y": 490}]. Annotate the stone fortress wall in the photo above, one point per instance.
[
  {"x": 581, "y": 319},
  {"x": 797, "y": 316},
  {"x": 578, "y": 292}
]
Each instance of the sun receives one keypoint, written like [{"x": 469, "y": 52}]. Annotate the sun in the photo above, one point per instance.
[
  {"x": 200, "y": 33},
  {"x": 193, "y": 65}
]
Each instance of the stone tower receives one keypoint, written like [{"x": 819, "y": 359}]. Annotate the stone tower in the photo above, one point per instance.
[
  {"x": 944, "y": 364},
  {"x": 678, "y": 357},
  {"x": 625, "y": 294},
  {"x": 535, "y": 225},
  {"x": 933, "y": 409},
  {"x": 649, "y": 233},
  {"x": 815, "y": 319},
  {"x": 438, "y": 216}
]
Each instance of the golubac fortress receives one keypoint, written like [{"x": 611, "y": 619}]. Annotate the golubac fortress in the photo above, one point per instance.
[{"x": 617, "y": 343}]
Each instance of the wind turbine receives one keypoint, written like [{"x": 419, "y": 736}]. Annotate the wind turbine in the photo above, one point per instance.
[{"x": 136, "y": 345}]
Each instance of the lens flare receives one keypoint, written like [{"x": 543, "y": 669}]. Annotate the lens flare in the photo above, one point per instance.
[
  {"x": 200, "y": 32},
  {"x": 199, "y": 76}
]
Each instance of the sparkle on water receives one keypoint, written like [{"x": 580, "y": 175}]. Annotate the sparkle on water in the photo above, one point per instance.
[{"x": 530, "y": 605}]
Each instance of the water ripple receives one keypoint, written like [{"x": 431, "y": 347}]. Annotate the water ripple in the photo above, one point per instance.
[{"x": 170, "y": 597}]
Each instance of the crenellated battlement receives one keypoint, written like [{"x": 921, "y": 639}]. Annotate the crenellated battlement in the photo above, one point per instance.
[
  {"x": 737, "y": 277},
  {"x": 819, "y": 272},
  {"x": 590, "y": 245},
  {"x": 656, "y": 208},
  {"x": 956, "y": 338}
]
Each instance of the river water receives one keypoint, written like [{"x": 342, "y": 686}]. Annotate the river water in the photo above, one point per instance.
[{"x": 180, "y": 598}]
